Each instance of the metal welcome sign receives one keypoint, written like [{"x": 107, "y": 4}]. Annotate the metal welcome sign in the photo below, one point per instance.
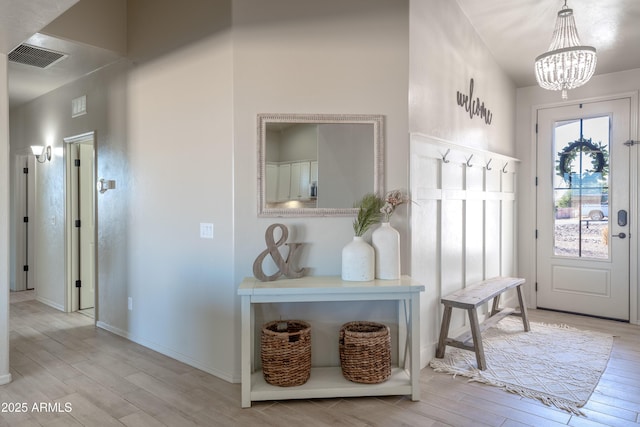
[{"x": 474, "y": 106}]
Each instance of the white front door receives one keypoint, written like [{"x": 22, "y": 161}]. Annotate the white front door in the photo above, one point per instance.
[{"x": 583, "y": 208}]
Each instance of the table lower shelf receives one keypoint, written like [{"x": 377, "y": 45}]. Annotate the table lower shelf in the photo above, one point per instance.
[{"x": 326, "y": 382}]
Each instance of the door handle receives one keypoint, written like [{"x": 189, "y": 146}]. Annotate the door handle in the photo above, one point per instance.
[{"x": 620, "y": 235}]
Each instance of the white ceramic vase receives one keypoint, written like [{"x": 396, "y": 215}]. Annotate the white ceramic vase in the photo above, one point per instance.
[
  {"x": 386, "y": 242},
  {"x": 358, "y": 258}
]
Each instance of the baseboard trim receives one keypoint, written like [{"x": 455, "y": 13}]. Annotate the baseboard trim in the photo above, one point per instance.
[
  {"x": 50, "y": 303},
  {"x": 170, "y": 353},
  {"x": 5, "y": 379}
]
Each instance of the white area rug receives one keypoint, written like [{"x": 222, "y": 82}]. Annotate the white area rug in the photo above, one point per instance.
[{"x": 556, "y": 364}]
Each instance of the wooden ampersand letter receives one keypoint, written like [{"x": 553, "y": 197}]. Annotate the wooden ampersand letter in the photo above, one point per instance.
[{"x": 284, "y": 266}]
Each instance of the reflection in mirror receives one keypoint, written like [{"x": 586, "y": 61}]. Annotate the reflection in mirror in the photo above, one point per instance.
[{"x": 317, "y": 165}]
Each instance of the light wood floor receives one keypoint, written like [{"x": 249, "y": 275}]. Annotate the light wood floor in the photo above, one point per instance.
[{"x": 62, "y": 359}]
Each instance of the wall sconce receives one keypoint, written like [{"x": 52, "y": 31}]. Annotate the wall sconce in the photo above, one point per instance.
[
  {"x": 105, "y": 184},
  {"x": 41, "y": 151}
]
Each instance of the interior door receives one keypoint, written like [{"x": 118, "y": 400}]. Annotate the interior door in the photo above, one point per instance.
[
  {"x": 583, "y": 208},
  {"x": 87, "y": 230},
  {"x": 81, "y": 220},
  {"x": 24, "y": 190}
]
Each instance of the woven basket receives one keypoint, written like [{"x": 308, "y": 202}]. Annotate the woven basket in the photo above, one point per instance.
[
  {"x": 286, "y": 352},
  {"x": 365, "y": 352}
]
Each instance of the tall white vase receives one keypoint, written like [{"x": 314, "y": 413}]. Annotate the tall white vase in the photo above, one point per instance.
[
  {"x": 386, "y": 242},
  {"x": 358, "y": 258}
]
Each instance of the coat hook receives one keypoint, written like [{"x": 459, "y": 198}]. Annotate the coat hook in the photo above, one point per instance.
[
  {"x": 488, "y": 164},
  {"x": 504, "y": 169},
  {"x": 469, "y": 161},
  {"x": 444, "y": 158}
]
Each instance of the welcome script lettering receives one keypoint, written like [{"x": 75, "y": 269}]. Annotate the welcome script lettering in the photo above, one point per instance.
[{"x": 474, "y": 106}]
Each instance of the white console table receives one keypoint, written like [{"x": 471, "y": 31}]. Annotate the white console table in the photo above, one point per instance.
[{"x": 328, "y": 382}]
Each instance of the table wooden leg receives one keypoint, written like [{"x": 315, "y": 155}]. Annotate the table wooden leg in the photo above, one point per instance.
[
  {"x": 444, "y": 331},
  {"x": 246, "y": 351},
  {"x": 415, "y": 347}
]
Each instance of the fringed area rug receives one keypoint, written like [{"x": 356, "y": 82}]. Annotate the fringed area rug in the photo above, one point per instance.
[{"x": 556, "y": 364}]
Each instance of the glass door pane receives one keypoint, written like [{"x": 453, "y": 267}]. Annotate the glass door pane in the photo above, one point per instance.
[{"x": 581, "y": 188}]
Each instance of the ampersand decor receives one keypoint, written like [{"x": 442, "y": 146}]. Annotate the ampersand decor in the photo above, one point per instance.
[{"x": 284, "y": 266}]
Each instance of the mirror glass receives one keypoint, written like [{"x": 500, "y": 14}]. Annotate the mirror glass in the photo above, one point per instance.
[{"x": 318, "y": 164}]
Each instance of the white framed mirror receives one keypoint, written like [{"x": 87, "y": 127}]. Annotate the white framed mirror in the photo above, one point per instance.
[{"x": 318, "y": 164}]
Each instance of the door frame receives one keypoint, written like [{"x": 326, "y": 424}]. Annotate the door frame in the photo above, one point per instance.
[
  {"x": 634, "y": 245},
  {"x": 71, "y": 300}
]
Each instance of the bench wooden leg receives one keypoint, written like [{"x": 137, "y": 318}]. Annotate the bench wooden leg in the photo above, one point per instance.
[
  {"x": 496, "y": 305},
  {"x": 477, "y": 339},
  {"x": 444, "y": 331},
  {"x": 523, "y": 310}
]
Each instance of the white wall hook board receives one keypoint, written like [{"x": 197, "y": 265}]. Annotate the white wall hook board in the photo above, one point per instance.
[
  {"x": 444, "y": 158},
  {"x": 105, "y": 184},
  {"x": 469, "y": 161},
  {"x": 489, "y": 164}
]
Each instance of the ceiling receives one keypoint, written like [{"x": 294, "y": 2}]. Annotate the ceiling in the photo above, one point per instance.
[
  {"x": 514, "y": 31},
  {"x": 20, "y": 21},
  {"x": 27, "y": 82}
]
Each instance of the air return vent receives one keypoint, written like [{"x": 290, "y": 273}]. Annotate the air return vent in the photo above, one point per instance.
[{"x": 35, "y": 56}]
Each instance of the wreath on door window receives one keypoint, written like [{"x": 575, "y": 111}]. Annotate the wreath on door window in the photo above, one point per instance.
[{"x": 586, "y": 146}]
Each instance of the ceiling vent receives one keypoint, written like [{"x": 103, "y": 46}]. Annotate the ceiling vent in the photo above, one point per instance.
[{"x": 35, "y": 56}]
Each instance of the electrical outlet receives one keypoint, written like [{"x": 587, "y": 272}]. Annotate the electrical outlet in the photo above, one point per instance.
[
  {"x": 130, "y": 303},
  {"x": 206, "y": 230}
]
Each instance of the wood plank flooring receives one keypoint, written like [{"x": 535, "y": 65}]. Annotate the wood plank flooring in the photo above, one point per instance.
[{"x": 87, "y": 376}]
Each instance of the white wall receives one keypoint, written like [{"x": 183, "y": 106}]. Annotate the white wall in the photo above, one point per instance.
[
  {"x": 177, "y": 133},
  {"x": 47, "y": 120},
  {"x": 299, "y": 142},
  {"x": 164, "y": 134},
  {"x": 181, "y": 162},
  {"x": 445, "y": 54},
  {"x": 345, "y": 164},
  {"x": 99, "y": 23},
  {"x": 5, "y": 375},
  {"x": 528, "y": 100},
  {"x": 337, "y": 57}
]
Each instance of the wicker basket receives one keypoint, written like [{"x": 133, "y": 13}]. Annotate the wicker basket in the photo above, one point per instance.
[
  {"x": 365, "y": 352},
  {"x": 286, "y": 352}
]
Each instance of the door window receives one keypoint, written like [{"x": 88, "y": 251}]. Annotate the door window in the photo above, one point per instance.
[{"x": 581, "y": 188}]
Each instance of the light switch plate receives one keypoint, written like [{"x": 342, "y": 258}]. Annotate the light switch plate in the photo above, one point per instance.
[{"x": 206, "y": 230}]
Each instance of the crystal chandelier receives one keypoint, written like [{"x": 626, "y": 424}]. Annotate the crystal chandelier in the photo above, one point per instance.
[{"x": 567, "y": 64}]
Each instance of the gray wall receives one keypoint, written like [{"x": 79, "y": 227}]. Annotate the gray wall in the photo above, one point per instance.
[{"x": 337, "y": 57}]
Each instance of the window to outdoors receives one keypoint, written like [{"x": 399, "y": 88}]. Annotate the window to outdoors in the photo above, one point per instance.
[{"x": 581, "y": 188}]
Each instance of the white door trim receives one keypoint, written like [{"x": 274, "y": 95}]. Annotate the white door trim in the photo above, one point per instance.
[{"x": 634, "y": 315}]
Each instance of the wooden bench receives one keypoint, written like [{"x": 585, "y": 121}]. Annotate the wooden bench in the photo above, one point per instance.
[{"x": 470, "y": 298}]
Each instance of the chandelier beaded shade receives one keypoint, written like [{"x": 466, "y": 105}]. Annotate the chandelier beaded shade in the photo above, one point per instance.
[{"x": 567, "y": 64}]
